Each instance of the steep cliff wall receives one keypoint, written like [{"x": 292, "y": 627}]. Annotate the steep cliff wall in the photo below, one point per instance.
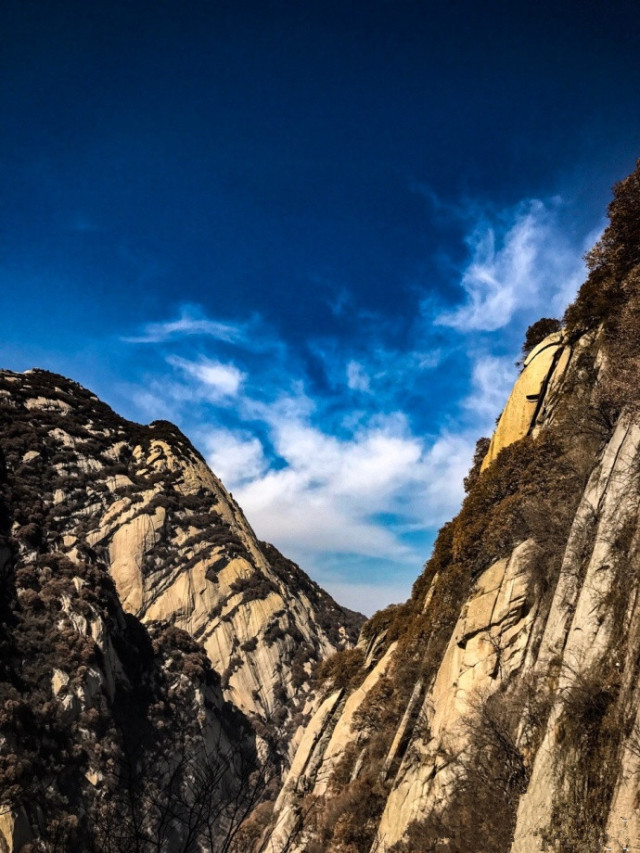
[
  {"x": 178, "y": 547},
  {"x": 137, "y": 605},
  {"x": 497, "y": 710},
  {"x": 407, "y": 733},
  {"x": 113, "y": 736}
]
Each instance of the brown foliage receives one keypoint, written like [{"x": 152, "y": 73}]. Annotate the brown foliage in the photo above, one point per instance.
[
  {"x": 491, "y": 775},
  {"x": 537, "y": 332},
  {"x": 348, "y": 821},
  {"x": 344, "y": 668},
  {"x": 589, "y": 734},
  {"x": 610, "y": 261},
  {"x": 482, "y": 448}
]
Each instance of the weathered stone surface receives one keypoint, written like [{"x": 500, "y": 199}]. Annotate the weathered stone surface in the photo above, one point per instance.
[
  {"x": 488, "y": 645},
  {"x": 129, "y": 544},
  {"x": 59, "y": 680},
  {"x": 579, "y": 629},
  {"x": 178, "y": 547},
  {"x": 302, "y": 772},
  {"x": 327, "y": 735},
  {"x": 549, "y": 359},
  {"x": 343, "y": 732},
  {"x": 86, "y": 670},
  {"x": 486, "y": 648}
]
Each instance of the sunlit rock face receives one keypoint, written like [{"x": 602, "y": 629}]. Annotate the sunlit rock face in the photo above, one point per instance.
[
  {"x": 498, "y": 710},
  {"x": 137, "y": 605},
  {"x": 542, "y": 371},
  {"x": 535, "y": 624},
  {"x": 178, "y": 547}
]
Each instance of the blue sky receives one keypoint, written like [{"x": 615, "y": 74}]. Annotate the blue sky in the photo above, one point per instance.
[{"x": 312, "y": 234}]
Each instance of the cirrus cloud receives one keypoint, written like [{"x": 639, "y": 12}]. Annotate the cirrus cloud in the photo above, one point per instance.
[
  {"x": 349, "y": 453},
  {"x": 217, "y": 380},
  {"x": 520, "y": 260}
]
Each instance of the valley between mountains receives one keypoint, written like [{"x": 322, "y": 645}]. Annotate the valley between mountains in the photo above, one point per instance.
[{"x": 170, "y": 683}]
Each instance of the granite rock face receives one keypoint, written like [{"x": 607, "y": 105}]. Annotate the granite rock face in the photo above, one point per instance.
[
  {"x": 178, "y": 547},
  {"x": 544, "y": 366},
  {"x": 102, "y": 719},
  {"x": 511, "y": 675},
  {"x": 134, "y": 585}
]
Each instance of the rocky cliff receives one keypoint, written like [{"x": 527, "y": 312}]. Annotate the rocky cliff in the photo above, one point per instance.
[
  {"x": 143, "y": 502},
  {"x": 113, "y": 735},
  {"x": 142, "y": 621},
  {"x": 498, "y": 709}
]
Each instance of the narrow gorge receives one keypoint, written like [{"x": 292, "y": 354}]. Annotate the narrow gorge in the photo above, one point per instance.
[{"x": 170, "y": 683}]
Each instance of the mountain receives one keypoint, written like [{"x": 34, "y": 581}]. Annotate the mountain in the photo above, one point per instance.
[
  {"x": 169, "y": 683},
  {"x": 499, "y": 708},
  {"x": 156, "y": 658}
]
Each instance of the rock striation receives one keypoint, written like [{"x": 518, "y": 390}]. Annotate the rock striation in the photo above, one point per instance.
[
  {"x": 140, "y": 612},
  {"x": 113, "y": 735},
  {"x": 178, "y": 547},
  {"x": 497, "y": 711}
]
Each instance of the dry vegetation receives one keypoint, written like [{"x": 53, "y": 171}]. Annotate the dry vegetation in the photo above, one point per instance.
[{"x": 530, "y": 491}]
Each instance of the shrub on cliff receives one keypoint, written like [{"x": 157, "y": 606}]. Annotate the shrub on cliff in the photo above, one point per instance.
[
  {"x": 344, "y": 668},
  {"x": 610, "y": 261},
  {"x": 537, "y": 332}
]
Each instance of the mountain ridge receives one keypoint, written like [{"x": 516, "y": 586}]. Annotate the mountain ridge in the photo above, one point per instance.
[
  {"x": 124, "y": 531},
  {"x": 496, "y": 711}
]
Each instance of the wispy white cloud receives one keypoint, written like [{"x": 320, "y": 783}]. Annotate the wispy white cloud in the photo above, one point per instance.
[
  {"x": 365, "y": 597},
  {"x": 567, "y": 289},
  {"x": 357, "y": 377},
  {"x": 340, "y": 302},
  {"x": 216, "y": 380},
  {"x": 236, "y": 456},
  {"x": 327, "y": 494},
  {"x": 349, "y": 480},
  {"x": 362, "y": 491},
  {"x": 519, "y": 260},
  {"x": 375, "y": 369},
  {"x": 445, "y": 465},
  {"x": 191, "y": 322},
  {"x": 492, "y": 379}
]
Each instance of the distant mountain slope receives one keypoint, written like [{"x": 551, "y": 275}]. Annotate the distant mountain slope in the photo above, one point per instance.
[{"x": 141, "y": 501}]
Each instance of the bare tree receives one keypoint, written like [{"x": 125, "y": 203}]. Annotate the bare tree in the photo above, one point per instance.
[{"x": 196, "y": 800}]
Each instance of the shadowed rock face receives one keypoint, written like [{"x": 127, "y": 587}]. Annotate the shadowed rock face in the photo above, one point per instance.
[
  {"x": 102, "y": 719},
  {"x": 137, "y": 603}
]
